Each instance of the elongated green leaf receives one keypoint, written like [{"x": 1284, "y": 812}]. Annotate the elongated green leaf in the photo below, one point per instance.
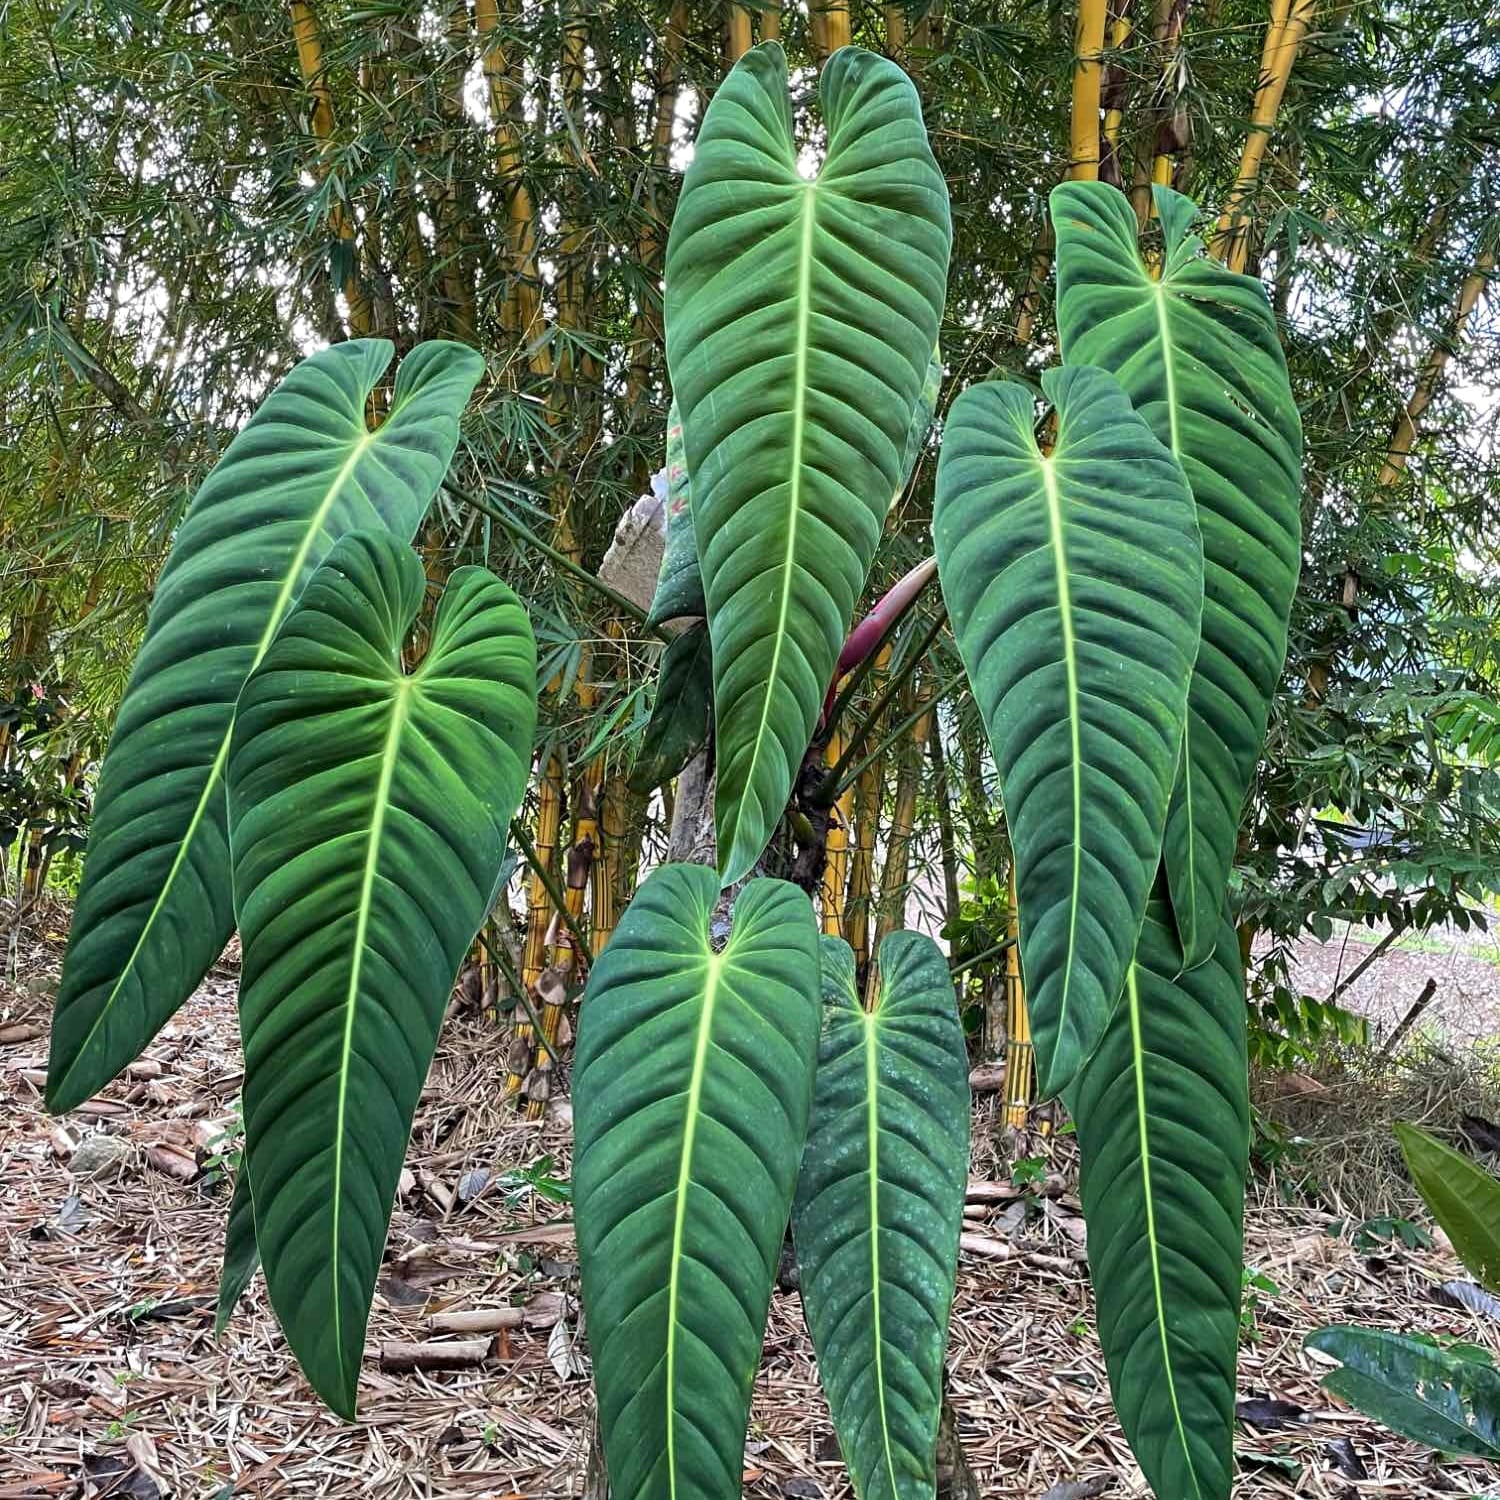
[
  {"x": 241, "y": 1253},
  {"x": 921, "y": 420},
  {"x": 678, "y": 725},
  {"x": 1198, "y": 355},
  {"x": 155, "y": 908},
  {"x": 1163, "y": 1117},
  {"x": 368, "y": 814},
  {"x": 1074, "y": 582},
  {"x": 801, "y": 316},
  {"x": 1448, "y": 1399},
  {"x": 691, "y": 1085},
  {"x": 1463, "y": 1197},
  {"x": 679, "y": 586},
  {"x": 879, "y": 1208}
]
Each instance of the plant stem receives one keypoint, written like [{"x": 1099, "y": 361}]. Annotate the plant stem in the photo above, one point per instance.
[{"x": 894, "y": 686}]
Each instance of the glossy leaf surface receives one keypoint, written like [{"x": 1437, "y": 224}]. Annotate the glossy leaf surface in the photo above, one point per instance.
[
  {"x": 1163, "y": 1117},
  {"x": 879, "y": 1208},
  {"x": 1074, "y": 583},
  {"x": 369, "y": 810},
  {"x": 801, "y": 315},
  {"x": 692, "y": 1084},
  {"x": 156, "y": 907},
  {"x": 1463, "y": 1197},
  {"x": 1198, "y": 354},
  {"x": 1448, "y": 1399}
]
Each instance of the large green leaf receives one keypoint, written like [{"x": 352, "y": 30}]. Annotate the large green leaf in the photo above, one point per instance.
[
  {"x": 691, "y": 1086},
  {"x": 879, "y": 1208},
  {"x": 368, "y": 814},
  {"x": 1463, "y": 1197},
  {"x": 1198, "y": 354},
  {"x": 241, "y": 1253},
  {"x": 1163, "y": 1117},
  {"x": 679, "y": 585},
  {"x": 678, "y": 725},
  {"x": 1074, "y": 582},
  {"x": 801, "y": 316},
  {"x": 1448, "y": 1399},
  {"x": 155, "y": 908}
]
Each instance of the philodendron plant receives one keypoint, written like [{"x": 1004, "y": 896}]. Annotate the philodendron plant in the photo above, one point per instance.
[{"x": 1118, "y": 579}]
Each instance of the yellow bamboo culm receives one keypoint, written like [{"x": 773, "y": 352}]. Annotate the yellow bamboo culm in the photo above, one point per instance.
[
  {"x": 310, "y": 63},
  {"x": 522, "y": 311},
  {"x": 893, "y": 878},
  {"x": 831, "y": 27},
  {"x": 1288, "y": 25},
  {"x": 836, "y": 870},
  {"x": 737, "y": 37},
  {"x": 1088, "y": 69},
  {"x": 770, "y": 22},
  {"x": 897, "y": 38},
  {"x": 534, "y": 950},
  {"x": 1020, "y": 1070},
  {"x": 1404, "y": 435}
]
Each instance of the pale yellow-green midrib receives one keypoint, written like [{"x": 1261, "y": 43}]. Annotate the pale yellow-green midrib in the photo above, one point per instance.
[{"x": 713, "y": 970}]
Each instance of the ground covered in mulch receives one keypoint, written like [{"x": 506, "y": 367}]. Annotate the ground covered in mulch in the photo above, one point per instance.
[{"x": 111, "y": 1382}]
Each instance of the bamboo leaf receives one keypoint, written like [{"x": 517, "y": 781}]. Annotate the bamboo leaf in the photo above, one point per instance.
[
  {"x": 1198, "y": 354},
  {"x": 1163, "y": 1117},
  {"x": 368, "y": 814},
  {"x": 1448, "y": 1399},
  {"x": 801, "y": 316},
  {"x": 1074, "y": 583},
  {"x": 879, "y": 1208},
  {"x": 692, "y": 1084},
  {"x": 1463, "y": 1197},
  {"x": 155, "y": 907}
]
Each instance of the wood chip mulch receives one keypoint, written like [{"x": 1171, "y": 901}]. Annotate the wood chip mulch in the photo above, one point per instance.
[{"x": 112, "y": 1384}]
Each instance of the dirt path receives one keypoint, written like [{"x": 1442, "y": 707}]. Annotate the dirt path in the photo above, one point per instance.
[
  {"x": 113, "y": 1383},
  {"x": 1465, "y": 1008}
]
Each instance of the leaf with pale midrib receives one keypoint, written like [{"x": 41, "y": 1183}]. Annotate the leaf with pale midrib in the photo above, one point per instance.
[
  {"x": 692, "y": 1083},
  {"x": 879, "y": 1208},
  {"x": 1198, "y": 354},
  {"x": 155, "y": 908},
  {"x": 368, "y": 812},
  {"x": 1074, "y": 583},
  {"x": 800, "y": 318},
  {"x": 1163, "y": 1118}
]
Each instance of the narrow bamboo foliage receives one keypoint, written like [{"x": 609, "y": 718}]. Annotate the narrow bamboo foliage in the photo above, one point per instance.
[
  {"x": 1288, "y": 24},
  {"x": 1088, "y": 68}
]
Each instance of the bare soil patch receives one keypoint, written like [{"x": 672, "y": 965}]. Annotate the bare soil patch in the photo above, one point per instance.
[{"x": 113, "y": 1383}]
